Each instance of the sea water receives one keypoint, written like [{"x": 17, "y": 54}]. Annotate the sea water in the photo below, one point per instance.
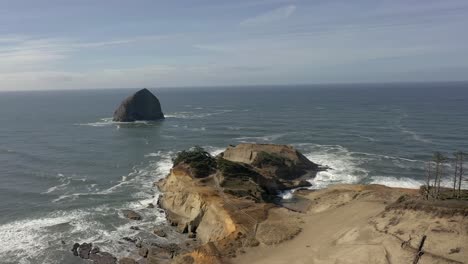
[{"x": 67, "y": 170}]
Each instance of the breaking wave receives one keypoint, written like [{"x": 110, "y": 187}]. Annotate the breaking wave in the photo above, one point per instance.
[
  {"x": 260, "y": 139},
  {"x": 45, "y": 238},
  {"x": 194, "y": 115},
  {"x": 344, "y": 167},
  {"x": 103, "y": 122}
]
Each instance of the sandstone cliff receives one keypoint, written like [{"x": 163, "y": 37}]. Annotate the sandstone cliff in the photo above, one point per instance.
[{"x": 233, "y": 198}]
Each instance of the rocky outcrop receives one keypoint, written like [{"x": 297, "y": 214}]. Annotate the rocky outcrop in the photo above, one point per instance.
[
  {"x": 224, "y": 200},
  {"x": 142, "y": 105},
  {"x": 87, "y": 251},
  {"x": 132, "y": 215},
  {"x": 277, "y": 161}
]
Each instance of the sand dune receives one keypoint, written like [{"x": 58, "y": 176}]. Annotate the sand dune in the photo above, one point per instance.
[{"x": 350, "y": 224}]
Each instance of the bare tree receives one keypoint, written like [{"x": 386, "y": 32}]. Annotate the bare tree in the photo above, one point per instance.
[
  {"x": 455, "y": 176},
  {"x": 429, "y": 189},
  {"x": 459, "y": 171},
  {"x": 439, "y": 160}
]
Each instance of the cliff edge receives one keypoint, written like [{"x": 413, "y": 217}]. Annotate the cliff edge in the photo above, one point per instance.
[{"x": 225, "y": 201}]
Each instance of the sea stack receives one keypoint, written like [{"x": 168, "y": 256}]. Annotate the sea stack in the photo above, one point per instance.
[{"x": 141, "y": 106}]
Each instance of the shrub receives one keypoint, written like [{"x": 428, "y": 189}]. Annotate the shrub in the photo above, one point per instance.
[{"x": 202, "y": 163}]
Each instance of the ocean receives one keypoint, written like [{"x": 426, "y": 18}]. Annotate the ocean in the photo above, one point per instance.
[{"x": 67, "y": 170}]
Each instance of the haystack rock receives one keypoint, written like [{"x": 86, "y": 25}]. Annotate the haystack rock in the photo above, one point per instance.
[{"x": 141, "y": 106}]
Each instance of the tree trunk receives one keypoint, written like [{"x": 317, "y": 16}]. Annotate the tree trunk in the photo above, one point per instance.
[
  {"x": 455, "y": 177},
  {"x": 437, "y": 180},
  {"x": 428, "y": 179},
  {"x": 460, "y": 175}
]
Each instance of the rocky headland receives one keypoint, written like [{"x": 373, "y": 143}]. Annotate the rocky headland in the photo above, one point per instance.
[
  {"x": 227, "y": 209},
  {"x": 141, "y": 106}
]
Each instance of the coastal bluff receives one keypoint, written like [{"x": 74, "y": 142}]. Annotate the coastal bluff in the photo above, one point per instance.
[
  {"x": 141, "y": 106},
  {"x": 229, "y": 202},
  {"x": 228, "y": 209}
]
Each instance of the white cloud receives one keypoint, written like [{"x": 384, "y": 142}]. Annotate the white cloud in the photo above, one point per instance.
[
  {"x": 26, "y": 54},
  {"x": 270, "y": 16}
]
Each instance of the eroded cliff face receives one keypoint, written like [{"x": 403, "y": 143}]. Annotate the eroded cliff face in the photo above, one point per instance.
[{"x": 225, "y": 209}]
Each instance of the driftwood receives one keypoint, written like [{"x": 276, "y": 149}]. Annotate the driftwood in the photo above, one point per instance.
[{"x": 420, "y": 251}]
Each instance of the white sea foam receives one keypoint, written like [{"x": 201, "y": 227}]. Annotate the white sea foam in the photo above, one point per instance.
[
  {"x": 214, "y": 151},
  {"x": 64, "y": 182},
  {"x": 29, "y": 237},
  {"x": 288, "y": 194},
  {"x": 260, "y": 139},
  {"x": 381, "y": 156},
  {"x": 235, "y": 128},
  {"x": 344, "y": 167},
  {"x": 140, "y": 178},
  {"x": 371, "y": 139},
  {"x": 33, "y": 239},
  {"x": 414, "y": 135},
  {"x": 402, "y": 182},
  {"x": 193, "y": 115},
  {"x": 108, "y": 122}
]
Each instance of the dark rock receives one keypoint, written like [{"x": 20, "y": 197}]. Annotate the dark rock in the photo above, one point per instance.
[
  {"x": 129, "y": 239},
  {"x": 150, "y": 205},
  {"x": 103, "y": 258},
  {"x": 142, "y": 105},
  {"x": 192, "y": 235},
  {"x": 127, "y": 261},
  {"x": 139, "y": 244},
  {"x": 131, "y": 215},
  {"x": 135, "y": 228},
  {"x": 84, "y": 250},
  {"x": 143, "y": 252},
  {"x": 159, "y": 232},
  {"x": 94, "y": 251},
  {"x": 75, "y": 249}
]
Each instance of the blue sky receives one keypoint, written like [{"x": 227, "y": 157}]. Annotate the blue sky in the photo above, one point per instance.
[{"x": 73, "y": 44}]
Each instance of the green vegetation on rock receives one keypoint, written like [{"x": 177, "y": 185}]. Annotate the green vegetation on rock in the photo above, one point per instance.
[{"x": 202, "y": 163}]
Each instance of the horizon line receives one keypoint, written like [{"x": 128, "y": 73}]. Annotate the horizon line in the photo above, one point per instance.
[{"x": 208, "y": 87}]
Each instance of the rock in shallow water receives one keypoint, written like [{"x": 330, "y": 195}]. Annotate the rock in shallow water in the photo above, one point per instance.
[
  {"x": 159, "y": 232},
  {"x": 142, "y": 105},
  {"x": 75, "y": 249},
  {"x": 131, "y": 215},
  {"x": 86, "y": 251}
]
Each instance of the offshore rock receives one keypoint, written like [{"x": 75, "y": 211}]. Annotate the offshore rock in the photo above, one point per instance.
[{"x": 141, "y": 106}]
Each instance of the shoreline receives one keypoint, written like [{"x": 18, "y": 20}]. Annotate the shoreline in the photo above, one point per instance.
[
  {"x": 230, "y": 210},
  {"x": 227, "y": 209}
]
